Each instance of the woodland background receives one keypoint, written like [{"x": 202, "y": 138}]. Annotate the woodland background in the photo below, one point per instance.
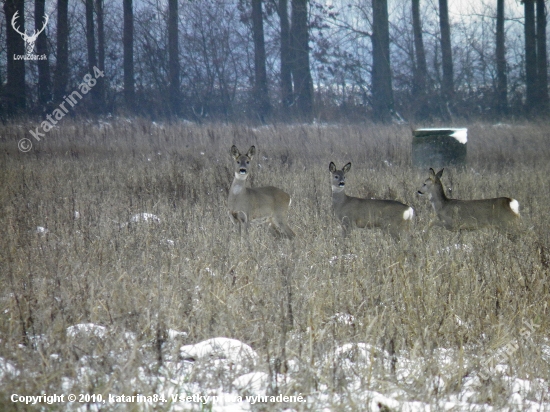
[{"x": 281, "y": 60}]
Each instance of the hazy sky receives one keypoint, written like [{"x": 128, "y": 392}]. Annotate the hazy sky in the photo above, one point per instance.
[{"x": 512, "y": 7}]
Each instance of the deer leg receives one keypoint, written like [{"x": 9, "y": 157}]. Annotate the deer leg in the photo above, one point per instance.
[
  {"x": 274, "y": 230},
  {"x": 282, "y": 227},
  {"x": 240, "y": 218},
  {"x": 233, "y": 217},
  {"x": 244, "y": 220},
  {"x": 288, "y": 231},
  {"x": 346, "y": 226},
  {"x": 395, "y": 233}
]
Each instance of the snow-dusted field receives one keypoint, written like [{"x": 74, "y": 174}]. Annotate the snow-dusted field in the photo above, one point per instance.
[
  {"x": 224, "y": 374},
  {"x": 124, "y": 283}
]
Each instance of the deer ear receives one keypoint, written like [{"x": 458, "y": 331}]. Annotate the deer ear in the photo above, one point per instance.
[
  {"x": 234, "y": 151},
  {"x": 439, "y": 174},
  {"x": 346, "y": 168},
  {"x": 251, "y": 151},
  {"x": 332, "y": 167}
]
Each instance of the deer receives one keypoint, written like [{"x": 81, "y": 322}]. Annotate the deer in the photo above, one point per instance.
[
  {"x": 29, "y": 40},
  {"x": 455, "y": 215},
  {"x": 389, "y": 215},
  {"x": 256, "y": 204}
]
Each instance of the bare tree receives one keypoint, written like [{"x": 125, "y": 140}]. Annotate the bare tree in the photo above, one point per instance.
[
  {"x": 301, "y": 74},
  {"x": 216, "y": 49},
  {"x": 502, "y": 79},
  {"x": 286, "y": 57},
  {"x": 44, "y": 86},
  {"x": 530, "y": 55},
  {"x": 91, "y": 48},
  {"x": 128, "y": 42},
  {"x": 261, "y": 96},
  {"x": 420, "y": 68},
  {"x": 447, "y": 86},
  {"x": 14, "y": 91},
  {"x": 542, "y": 66},
  {"x": 62, "y": 61},
  {"x": 90, "y": 35},
  {"x": 173, "y": 57},
  {"x": 100, "y": 92},
  {"x": 382, "y": 95}
]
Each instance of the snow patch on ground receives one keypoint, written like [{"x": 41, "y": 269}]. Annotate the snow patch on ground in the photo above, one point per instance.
[
  {"x": 224, "y": 374},
  {"x": 220, "y": 348},
  {"x": 145, "y": 217}
]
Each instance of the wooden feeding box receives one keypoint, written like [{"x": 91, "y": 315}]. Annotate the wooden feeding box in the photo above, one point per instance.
[{"x": 439, "y": 147}]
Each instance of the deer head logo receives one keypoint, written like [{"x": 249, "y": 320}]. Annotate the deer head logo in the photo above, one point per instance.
[{"x": 29, "y": 40}]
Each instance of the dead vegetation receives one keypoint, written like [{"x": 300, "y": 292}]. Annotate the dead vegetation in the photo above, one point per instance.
[{"x": 296, "y": 303}]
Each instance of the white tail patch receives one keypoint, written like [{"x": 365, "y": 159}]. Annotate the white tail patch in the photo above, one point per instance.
[
  {"x": 514, "y": 205},
  {"x": 386, "y": 214},
  {"x": 455, "y": 214}
]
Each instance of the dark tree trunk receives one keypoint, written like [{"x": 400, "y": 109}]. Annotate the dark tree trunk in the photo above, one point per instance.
[
  {"x": 173, "y": 57},
  {"x": 502, "y": 80},
  {"x": 62, "y": 61},
  {"x": 100, "y": 55},
  {"x": 261, "y": 95},
  {"x": 542, "y": 66},
  {"x": 128, "y": 40},
  {"x": 447, "y": 87},
  {"x": 90, "y": 35},
  {"x": 303, "y": 84},
  {"x": 420, "y": 94},
  {"x": 286, "y": 58},
  {"x": 420, "y": 68},
  {"x": 92, "y": 56},
  {"x": 44, "y": 86},
  {"x": 382, "y": 95},
  {"x": 14, "y": 92},
  {"x": 530, "y": 55}
]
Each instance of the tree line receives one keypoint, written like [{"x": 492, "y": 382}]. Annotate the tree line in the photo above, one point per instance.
[{"x": 277, "y": 60}]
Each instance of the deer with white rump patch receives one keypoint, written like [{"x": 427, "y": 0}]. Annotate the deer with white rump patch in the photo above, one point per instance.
[
  {"x": 389, "y": 215},
  {"x": 453, "y": 214},
  {"x": 257, "y": 204}
]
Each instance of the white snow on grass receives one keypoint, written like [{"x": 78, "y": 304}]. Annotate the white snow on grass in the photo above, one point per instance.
[
  {"x": 223, "y": 374},
  {"x": 41, "y": 230},
  {"x": 345, "y": 258},
  {"x": 144, "y": 217},
  {"x": 87, "y": 330},
  {"x": 344, "y": 319},
  {"x": 252, "y": 383},
  {"x": 457, "y": 246},
  {"x": 7, "y": 369},
  {"x": 219, "y": 348}
]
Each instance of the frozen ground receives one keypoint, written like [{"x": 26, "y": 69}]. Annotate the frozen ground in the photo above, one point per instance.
[{"x": 223, "y": 374}]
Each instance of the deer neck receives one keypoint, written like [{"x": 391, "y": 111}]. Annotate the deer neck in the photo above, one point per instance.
[
  {"x": 438, "y": 198},
  {"x": 338, "y": 195},
  {"x": 239, "y": 185}
]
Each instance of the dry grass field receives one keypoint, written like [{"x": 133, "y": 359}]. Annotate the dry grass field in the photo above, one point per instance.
[{"x": 99, "y": 302}]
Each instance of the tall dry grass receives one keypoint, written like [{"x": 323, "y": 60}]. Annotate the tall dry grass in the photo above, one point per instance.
[{"x": 292, "y": 301}]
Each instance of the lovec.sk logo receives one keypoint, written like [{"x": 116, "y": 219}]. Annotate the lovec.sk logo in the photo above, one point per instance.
[{"x": 29, "y": 40}]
